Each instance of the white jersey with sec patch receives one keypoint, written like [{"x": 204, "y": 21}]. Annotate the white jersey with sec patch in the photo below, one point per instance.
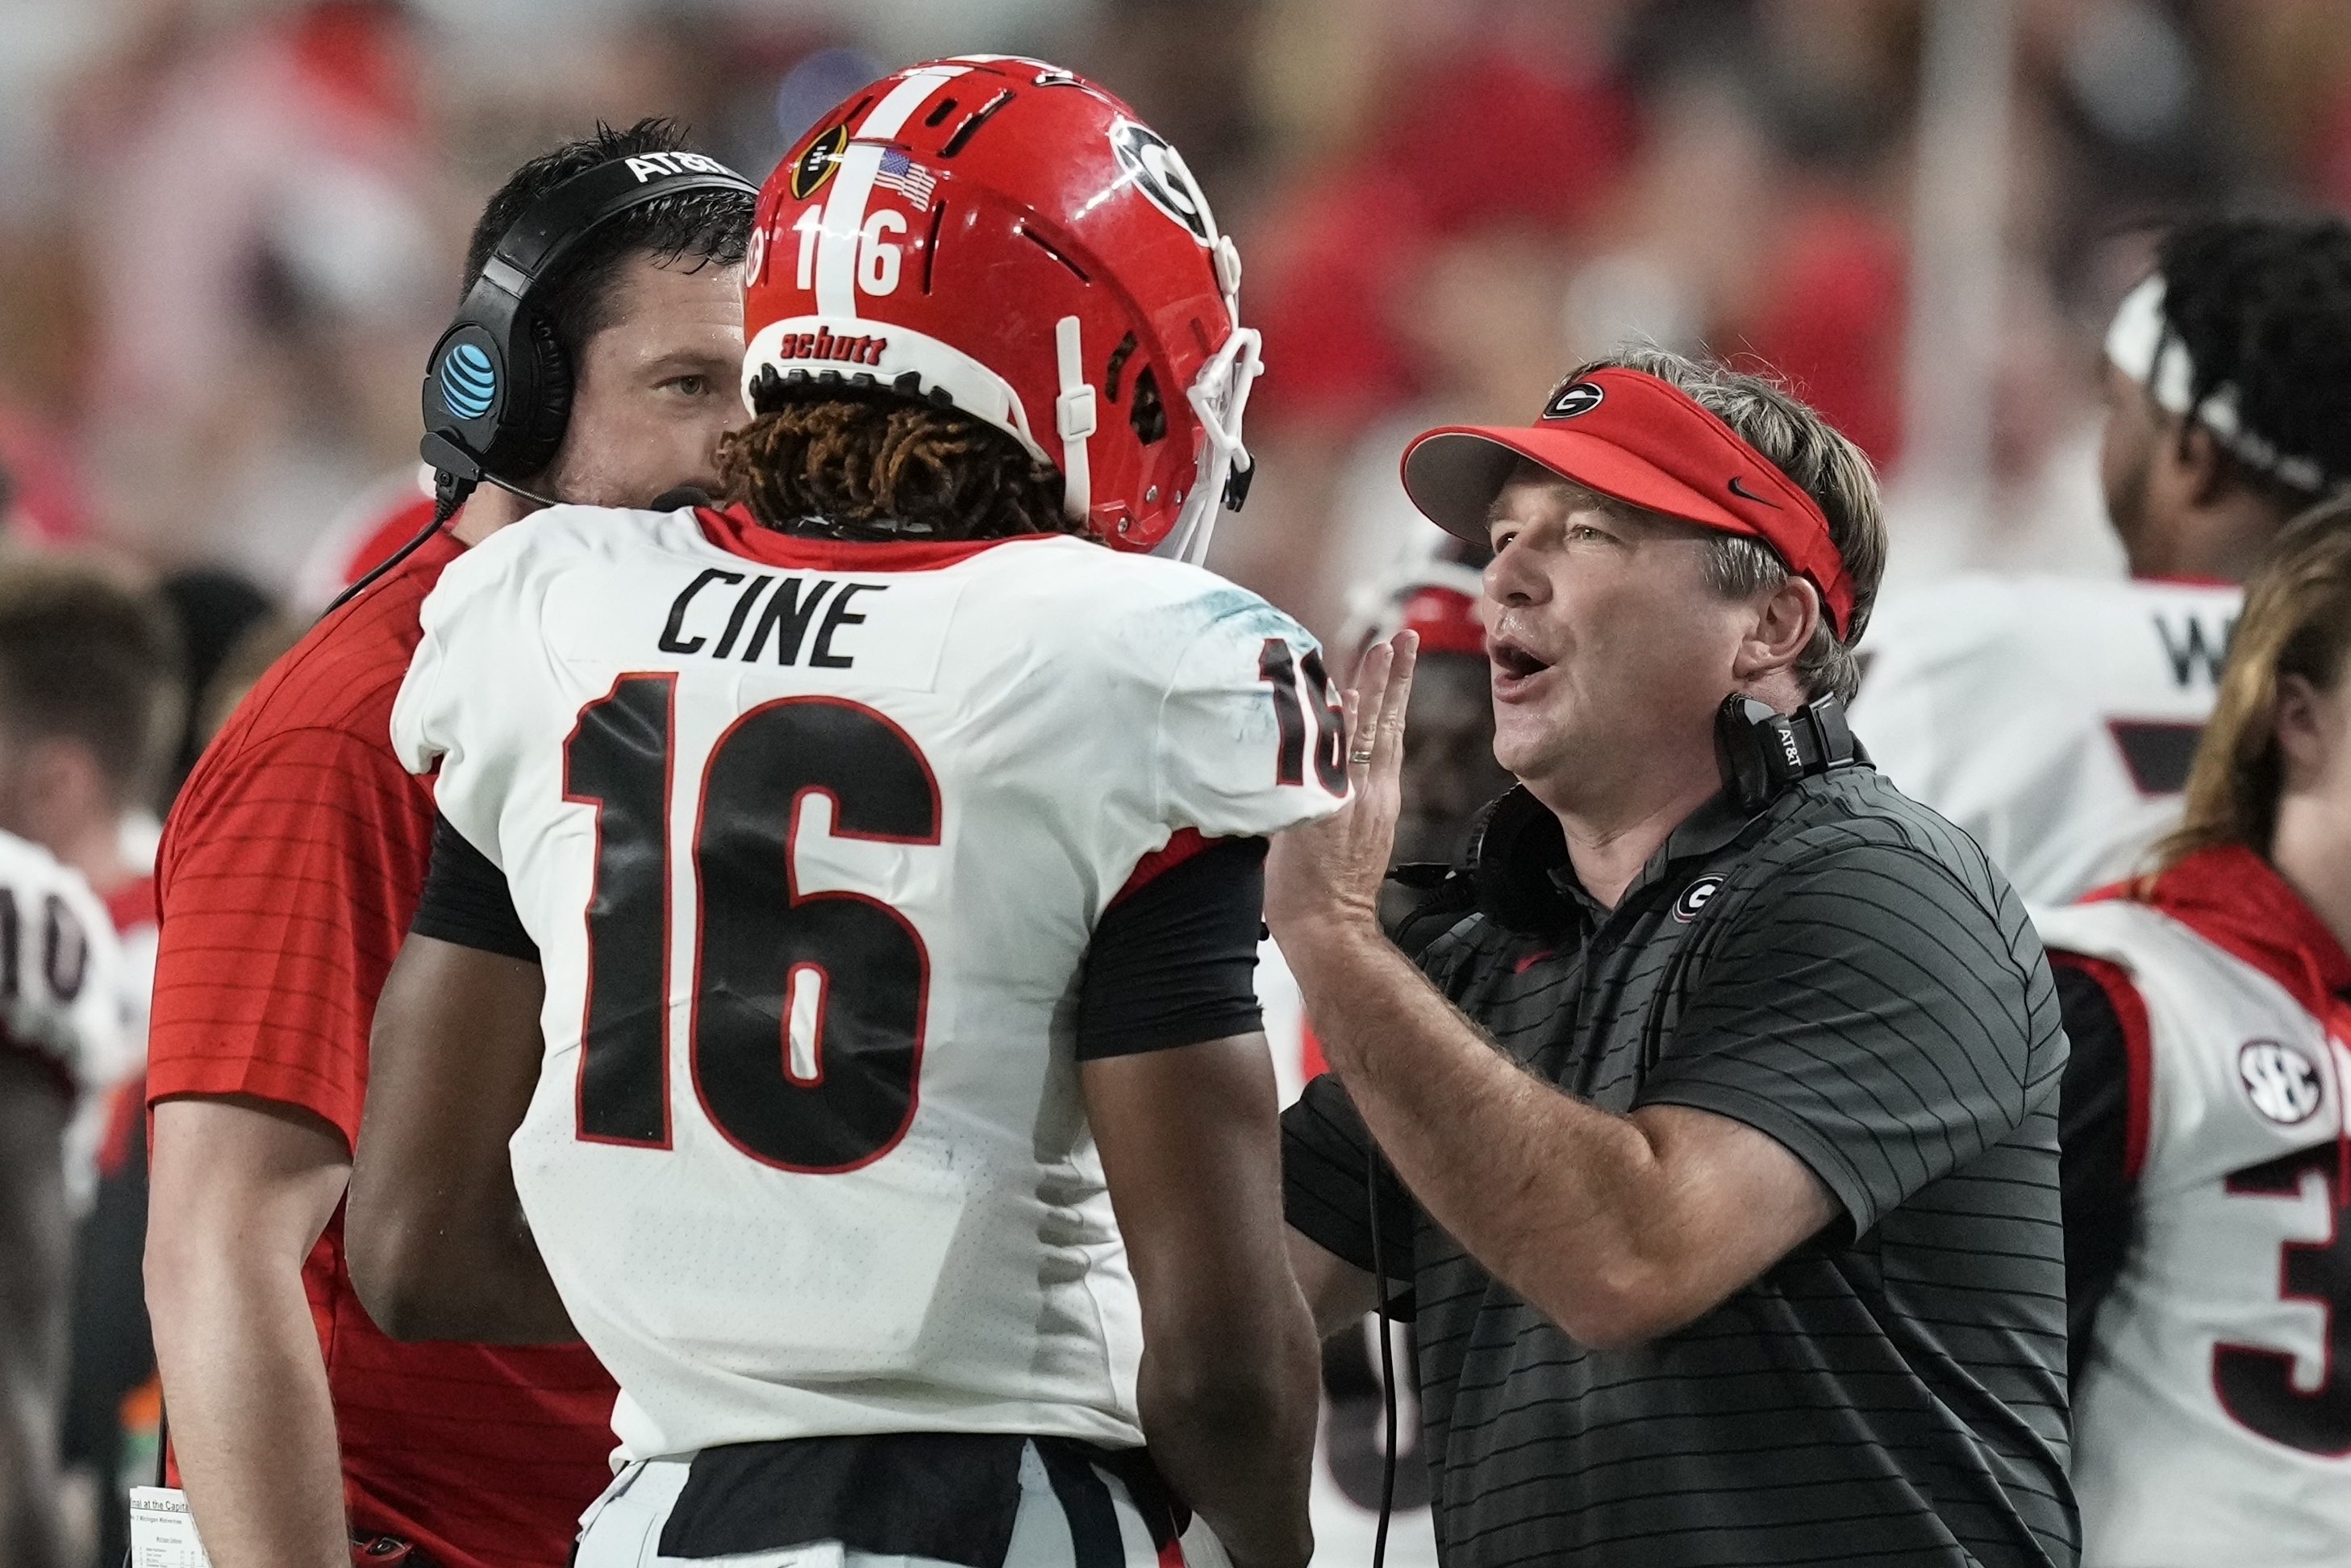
[
  {"x": 813, "y": 838},
  {"x": 2212, "y": 1420},
  {"x": 2053, "y": 718}
]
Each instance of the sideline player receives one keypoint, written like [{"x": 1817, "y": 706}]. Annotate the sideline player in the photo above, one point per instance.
[
  {"x": 893, "y": 852},
  {"x": 2208, "y": 1199},
  {"x": 91, "y": 703},
  {"x": 2054, "y": 718},
  {"x": 289, "y": 868},
  {"x": 61, "y": 1038}
]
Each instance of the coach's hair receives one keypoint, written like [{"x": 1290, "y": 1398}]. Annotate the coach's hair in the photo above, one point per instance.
[
  {"x": 870, "y": 464},
  {"x": 2296, "y": 621},
  {"x": 88, "y": 658},
  {"x": 1828, "y": 467},
  {"x": 2264, "y": 305},
  {"x": 707, "y": 227}
]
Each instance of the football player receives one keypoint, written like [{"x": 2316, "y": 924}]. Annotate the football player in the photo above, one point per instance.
[
  {"x": 595, "y": 358},
  {"x": 881, "y": 858},
  {"x": 2208, "y": 1191},
  {"x": 2054, "y": 718},
  {"x": 61, "y": 1039},
  {"x": 90, "y": 704}
]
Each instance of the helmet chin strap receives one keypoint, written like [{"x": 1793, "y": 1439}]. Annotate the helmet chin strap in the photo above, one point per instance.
[
  {"x": 1073, "y": 421},
  {"x": 1218, "y": 394}
]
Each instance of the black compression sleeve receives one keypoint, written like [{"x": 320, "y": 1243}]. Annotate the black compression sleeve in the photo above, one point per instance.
[
  {"x": 2093, "y": 1121},
  {"x": 1174, "y": 962},
  {"x": 466, "y": 900}
]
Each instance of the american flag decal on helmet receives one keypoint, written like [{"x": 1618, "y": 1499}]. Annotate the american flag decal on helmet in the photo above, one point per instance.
[{"x": 900, "y": 174}]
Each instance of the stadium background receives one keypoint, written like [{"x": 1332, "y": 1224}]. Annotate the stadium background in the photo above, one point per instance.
[{"x": 231, "y": 229}]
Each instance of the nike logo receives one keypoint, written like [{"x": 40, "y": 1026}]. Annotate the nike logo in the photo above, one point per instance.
[{"x": 1744, "y": 493}]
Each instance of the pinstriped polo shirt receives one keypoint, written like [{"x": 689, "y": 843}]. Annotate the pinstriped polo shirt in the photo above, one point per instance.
[{"x": 1847, "y": 973}]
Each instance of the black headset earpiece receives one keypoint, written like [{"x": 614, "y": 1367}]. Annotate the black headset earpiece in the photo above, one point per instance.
[
  {"x": 498, "y": 389},
  {"x": 1514, "y": 847},
  {"x": 1764, "y": 751}
]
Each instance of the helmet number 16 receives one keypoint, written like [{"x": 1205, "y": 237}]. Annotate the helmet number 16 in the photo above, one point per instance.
[{"x": 879, "y": 259}]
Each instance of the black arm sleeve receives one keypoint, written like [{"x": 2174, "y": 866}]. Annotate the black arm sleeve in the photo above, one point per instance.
[
  {"x": 1174, "y": 962},
  {"x": 1326, "y": 1156},
  {"x": 466, "y": 900},
  {"x": 2093, "y": 1120}
]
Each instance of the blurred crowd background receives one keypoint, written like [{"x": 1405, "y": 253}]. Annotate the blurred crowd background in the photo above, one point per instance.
[{"x": 231, "y": 229}]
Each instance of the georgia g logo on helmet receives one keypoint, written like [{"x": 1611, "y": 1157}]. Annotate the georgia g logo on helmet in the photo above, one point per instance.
[{"x": 1159, "y": 172}]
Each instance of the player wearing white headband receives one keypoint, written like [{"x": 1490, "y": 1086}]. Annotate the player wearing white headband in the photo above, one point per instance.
[{"x": 2054, "y": 718}]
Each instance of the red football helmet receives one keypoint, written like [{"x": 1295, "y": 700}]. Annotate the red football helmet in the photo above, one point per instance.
[{"x": 999, "y": 234}]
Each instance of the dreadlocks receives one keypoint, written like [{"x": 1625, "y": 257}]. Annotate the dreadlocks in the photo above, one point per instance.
[
  {"x": 848, "y": 462},
  {"x": 2264, "y": 305}
]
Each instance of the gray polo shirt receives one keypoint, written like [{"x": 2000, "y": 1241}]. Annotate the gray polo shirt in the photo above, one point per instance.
[{"x": 1848, "y": 973}]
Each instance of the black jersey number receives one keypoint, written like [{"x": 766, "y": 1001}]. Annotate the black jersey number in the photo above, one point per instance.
[
  {"x": 806, "y": 1028},
  {"x": 1278, "y": 669},
  {"x": 2256, "y": 1385}
]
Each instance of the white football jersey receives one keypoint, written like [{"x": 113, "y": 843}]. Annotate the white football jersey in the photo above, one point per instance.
[
  {"x": 61, "y": 987},
  {"x": 813, "y": 838},
  {"x": 2051, "y": 717},
  {"x": 2213, "y": 1423}
]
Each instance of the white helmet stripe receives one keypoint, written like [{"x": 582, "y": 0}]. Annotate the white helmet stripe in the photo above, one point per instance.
[
  {"x": 853, "y": 187},
  {"x": 1073, "y": 420}
]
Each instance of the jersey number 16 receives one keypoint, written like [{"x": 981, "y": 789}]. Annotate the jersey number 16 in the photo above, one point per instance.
[{"x": 806, "y": 1023}]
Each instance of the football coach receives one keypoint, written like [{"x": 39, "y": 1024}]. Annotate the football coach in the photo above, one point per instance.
[{"x": 1714, "y": 1097}]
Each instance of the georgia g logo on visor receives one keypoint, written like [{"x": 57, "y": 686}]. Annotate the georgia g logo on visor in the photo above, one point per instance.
[
  {"x": 1159, "y": 172},
  {"x": 1580, "y": 397}
]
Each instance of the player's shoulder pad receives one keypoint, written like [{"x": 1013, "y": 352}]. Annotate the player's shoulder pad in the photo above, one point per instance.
[
  {"x": 1150, "y": 610},
  {"x": 521, "y": 558}
]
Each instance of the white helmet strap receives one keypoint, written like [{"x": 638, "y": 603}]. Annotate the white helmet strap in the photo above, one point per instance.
[{"x": 1073, "y": 420}]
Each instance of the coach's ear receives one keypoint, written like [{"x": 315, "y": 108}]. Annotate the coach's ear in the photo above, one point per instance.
[{"x": 1782, "y": 624}]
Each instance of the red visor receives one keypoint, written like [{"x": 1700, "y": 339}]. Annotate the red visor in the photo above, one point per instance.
[{"x": 1628, "y": 435}]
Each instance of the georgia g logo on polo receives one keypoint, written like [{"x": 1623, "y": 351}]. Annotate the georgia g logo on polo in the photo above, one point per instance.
[
  {"x": 2282, "y": 1082},
  {"x": 1577, "y": 397},
  {"x": 1694, "y": 897}
]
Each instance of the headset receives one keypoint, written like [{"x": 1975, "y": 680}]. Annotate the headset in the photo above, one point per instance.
[{"x": 497, "y": 387}]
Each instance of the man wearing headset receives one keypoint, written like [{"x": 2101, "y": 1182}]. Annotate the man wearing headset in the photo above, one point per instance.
[
  {"x": 594, "y": 360},
  {"x": 1715, "y": 1127}
]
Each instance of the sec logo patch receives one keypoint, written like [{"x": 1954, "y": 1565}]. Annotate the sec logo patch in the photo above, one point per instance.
[
  {"x": 1694, "y": 897},
  {"x": 2283, "y": 1083}
]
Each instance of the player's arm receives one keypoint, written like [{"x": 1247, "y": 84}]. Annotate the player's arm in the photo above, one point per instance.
[
  {"x": 35, "y": 1240},
  {"x": 437, "y": 1242},
  {"x": 1180, "y": 1095},
  {"x": 1337, "y": 1293}
]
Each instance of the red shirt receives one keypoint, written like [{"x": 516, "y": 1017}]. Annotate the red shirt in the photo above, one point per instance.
[{"x": 288, "y": 872}]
